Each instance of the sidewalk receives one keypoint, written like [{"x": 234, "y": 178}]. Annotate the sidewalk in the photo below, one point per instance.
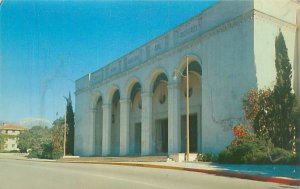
[
  {"x": 281, "y": 174},
  {"x": 289, "y": 171},
  {"x": 17, "y": 156}
]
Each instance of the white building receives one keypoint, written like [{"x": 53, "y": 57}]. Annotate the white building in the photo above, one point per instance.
[
  {"x": 135, "y": 105},
  {"x": 11, "y": 133}
]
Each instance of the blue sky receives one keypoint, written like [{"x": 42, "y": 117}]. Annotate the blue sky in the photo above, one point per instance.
[{"x": 46, "y": 45}]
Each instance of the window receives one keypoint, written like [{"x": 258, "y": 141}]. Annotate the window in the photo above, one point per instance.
[
  {"x": 13, "y": 145},
  {"x": 6, "y": 131},
  {"x": 13, "y": 131}
]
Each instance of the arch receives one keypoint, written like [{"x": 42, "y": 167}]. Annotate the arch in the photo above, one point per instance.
[
  {"x": 195, "y": 99},
  {"x": 129, "y": 85},
  {"x": 193, "y": 60},
  {"x": 115, "y": 97},
  {"x": 111, "y": 91},
  {"x": 158, "y": 87},
  {"x": 159, "y": 78},
  {"x": 96, "y": 103},
  {"x": 152, "y": 77},
  {"x": 134, "y": 90},
  {"x": 98, "y": 126},
  {"x": 94, "y": 99}
]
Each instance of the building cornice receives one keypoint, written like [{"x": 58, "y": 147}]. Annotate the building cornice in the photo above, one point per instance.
[
  {"x": 101, "y": 77},
  {"x": 172, "y": 50},
  {"x": 274, "y": 20}
]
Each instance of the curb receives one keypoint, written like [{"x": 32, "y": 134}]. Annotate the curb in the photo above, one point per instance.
[{"x": 278, "y": 180}]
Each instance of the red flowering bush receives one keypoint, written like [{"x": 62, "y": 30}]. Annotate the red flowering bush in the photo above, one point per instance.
[{"x": 242, "y": 133}]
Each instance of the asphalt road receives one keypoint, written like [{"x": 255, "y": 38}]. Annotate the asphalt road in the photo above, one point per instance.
[{"x": 20, "y": 174}]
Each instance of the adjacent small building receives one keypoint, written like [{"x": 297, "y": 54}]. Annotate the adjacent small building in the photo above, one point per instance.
[{"x": 11, "y": 131}]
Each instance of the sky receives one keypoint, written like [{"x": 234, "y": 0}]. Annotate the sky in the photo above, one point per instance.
[{"x": 46, "y": 45}]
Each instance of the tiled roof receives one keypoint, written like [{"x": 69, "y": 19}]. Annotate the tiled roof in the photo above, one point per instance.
[{"x": 12, "y": 127}]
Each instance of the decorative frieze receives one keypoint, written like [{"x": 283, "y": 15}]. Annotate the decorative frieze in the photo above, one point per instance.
[
  {"x": 132, "y": 59},
  {"x": 184, "y": 36},
  {"x": 97, "y": 77},
  {"x": 187, "y": 30}
]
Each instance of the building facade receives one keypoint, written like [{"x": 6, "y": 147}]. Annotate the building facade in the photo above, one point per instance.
[
  {"x": 137, "y": 105},
  {"x": 11, "y": 133}
]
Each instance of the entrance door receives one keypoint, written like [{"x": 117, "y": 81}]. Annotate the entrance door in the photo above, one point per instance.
[
  {"x": 161, "y": 136},
  {"x": 192, "y": 133},
  {"x": 137, "y": 138}
]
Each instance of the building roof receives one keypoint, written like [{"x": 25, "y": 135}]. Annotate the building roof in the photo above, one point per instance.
[{"x": 12, "y": 127}]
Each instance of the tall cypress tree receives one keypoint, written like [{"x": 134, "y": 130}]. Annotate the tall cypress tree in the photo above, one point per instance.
[
  {"x": 70, "y": 126},
  {"x": 284, "y": 99}
]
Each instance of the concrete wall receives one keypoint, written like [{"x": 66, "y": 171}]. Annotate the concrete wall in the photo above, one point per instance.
[
  {"x": 84, "y": 129},
  {"x": 228, "y": 72}
]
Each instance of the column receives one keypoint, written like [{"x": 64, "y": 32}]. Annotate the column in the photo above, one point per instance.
[
  {"x": 93, "y": 112},
  {"x": 174, "y": 118},
  {"x": 124, "y": 126},
  {"x": 106, "y": 135},
  {"x": 146, "y": 123}
]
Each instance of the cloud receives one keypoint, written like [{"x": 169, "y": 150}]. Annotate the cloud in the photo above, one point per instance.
[{"x": 30, "y": 122}]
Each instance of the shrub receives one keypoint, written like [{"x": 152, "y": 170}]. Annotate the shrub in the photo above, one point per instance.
[
  {"x": 207, "y": 157},
  {"x": 281, "y": 156},
  {"x": 246, "y": 148},
  {"x": 47, "y": 151},
  {"x": 245, "y": 151},
  {"x": 35, "y": 153},
  {"x": 57, "y": 154}
]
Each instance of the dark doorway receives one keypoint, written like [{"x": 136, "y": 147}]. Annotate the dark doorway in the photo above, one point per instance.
[
  {"x": 192, "y": 133},
  {"x": 161, "y": 136},
  {"x": 137, "y": 138}
]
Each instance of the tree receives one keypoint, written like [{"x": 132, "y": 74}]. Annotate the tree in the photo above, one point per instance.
[
  {"x": 274, "y": 113},
  {"x": 25, "y": 141},
  {"x": 58, "y": 138},
  {"x": 284, "y": 99},
  {"x": 2, "y": 141},
  {"x": 35, "y": 139},
  {"x": 70, "y": 126},
  {"x": 258, "y": 109}
]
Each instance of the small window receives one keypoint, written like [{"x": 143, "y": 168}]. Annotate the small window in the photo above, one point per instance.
[
  {"x": 13, "y": 145},
  {"x": 13, "y": 131},
  {"x": 6, "y": 131}
]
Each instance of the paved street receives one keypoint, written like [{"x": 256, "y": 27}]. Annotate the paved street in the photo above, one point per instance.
[{"x": 15, "y": 174}]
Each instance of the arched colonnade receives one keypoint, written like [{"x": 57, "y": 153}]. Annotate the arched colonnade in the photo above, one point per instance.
[{"x": 151, "y": 119}]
